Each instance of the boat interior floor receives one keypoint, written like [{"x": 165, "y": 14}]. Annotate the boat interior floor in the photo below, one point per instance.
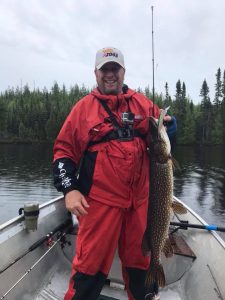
[{"x": 56, "y": 286}]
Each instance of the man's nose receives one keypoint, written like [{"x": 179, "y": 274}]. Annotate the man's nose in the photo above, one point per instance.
[{"x": 109, "y": 73}]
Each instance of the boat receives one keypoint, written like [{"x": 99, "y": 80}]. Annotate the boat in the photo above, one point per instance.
[{"x": 36, "y": 264}]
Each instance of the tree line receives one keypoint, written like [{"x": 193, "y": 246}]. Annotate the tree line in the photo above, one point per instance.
[{"x": 27, "y": 116}]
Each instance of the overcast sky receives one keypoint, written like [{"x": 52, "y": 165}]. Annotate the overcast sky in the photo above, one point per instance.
[{"x": 42, "y": 41}]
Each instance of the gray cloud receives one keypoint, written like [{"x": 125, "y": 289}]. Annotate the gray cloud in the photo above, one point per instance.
[{"x": 43, "y": 41}]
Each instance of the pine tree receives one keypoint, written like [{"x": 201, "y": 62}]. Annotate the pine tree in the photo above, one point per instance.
[
  {"x": 178, "y": 90},
  {"x": 38, "y": 115},
  {"x": 168, "y": 100},
  {"x": 147, "y": 92},
  {"x": 223, "y": 88},
  {"x": 3, "y": 116},
  {"x": 217, "y": 129},
  {"x": 218, "y": 89},
  {"x": 167, "y": 91},
  {"x": 206, "y": 110},
  {"x": 180, "y": 109},
  {"x": 183, "y": 93},
  {"x": 223, "y": 107},
  {"x": 189, "y": 131},
  {"x": 204, "y": 93}
]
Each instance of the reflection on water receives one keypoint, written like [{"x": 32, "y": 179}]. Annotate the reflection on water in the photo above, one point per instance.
[
  {"x": 201, "y": 181},
  {"x": 25, "y": 175}
]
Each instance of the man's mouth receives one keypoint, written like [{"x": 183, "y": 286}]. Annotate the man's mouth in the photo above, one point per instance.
[{"x": 110, "y": 82}]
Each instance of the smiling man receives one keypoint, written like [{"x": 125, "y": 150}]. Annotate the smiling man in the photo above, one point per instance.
[
  {"x": 105, "y": 138},
  {"x": 109, "y": 71}
]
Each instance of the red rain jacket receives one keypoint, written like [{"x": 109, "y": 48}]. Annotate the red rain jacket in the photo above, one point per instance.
[{"x": 117, "y": 172}]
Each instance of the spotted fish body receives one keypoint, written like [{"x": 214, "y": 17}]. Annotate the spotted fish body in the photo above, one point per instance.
[{"x": 160, "y": 201}]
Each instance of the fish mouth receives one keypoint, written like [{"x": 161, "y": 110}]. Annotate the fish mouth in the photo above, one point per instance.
[
  {"x": 160, "y": 144},
  {"x": 158, "y": 123}
]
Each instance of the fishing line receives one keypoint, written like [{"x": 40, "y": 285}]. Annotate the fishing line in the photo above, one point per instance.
[
  {"x": 36, "y": 263},
  {"x": 37, "y": 244},
  {"x": 153, "y": 65},
  {"x": 180, "y": 277},
  {"x": 214, "y": 279}
]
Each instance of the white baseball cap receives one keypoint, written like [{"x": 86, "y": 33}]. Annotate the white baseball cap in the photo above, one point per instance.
[{"x": 108, "y": 54}]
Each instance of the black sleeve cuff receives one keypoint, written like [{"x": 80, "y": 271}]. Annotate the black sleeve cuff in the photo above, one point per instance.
[{"x": 64, "y": 174}]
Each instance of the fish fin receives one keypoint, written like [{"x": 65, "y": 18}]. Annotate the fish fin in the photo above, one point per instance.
[
  {"x": 168, "y": 249},
  {"x": 175, "y": 163},
  {"x": 178, "y": 208},
  {"x": 155, "y": 274}
]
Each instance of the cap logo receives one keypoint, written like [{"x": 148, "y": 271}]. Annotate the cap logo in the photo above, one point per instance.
[{"x": 109, "y": 52}]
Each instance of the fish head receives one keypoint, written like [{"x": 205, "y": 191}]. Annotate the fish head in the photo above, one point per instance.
[{"x": 160, "y": 143}]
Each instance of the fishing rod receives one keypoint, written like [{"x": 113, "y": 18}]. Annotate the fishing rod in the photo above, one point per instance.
[
  {"x": 60, "y": 237},
  {"x": 38, "y": 243},
  {"x": 153, "y": 63},
  {"x": 185, "y": 225}
]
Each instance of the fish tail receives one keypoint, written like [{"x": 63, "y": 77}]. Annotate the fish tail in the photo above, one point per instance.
[
  {"x": 178, "y": 207},
  {"x": 155, "y": 274}
]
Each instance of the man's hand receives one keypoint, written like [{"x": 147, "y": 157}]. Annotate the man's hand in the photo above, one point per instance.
[
  {"x": 167, "y": 118},
  {"x": 76, "y": 203},
  {"x": 171, "y": 125}
]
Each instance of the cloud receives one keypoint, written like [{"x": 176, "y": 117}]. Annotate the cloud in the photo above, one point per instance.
[{"x": 49, "y": 40}]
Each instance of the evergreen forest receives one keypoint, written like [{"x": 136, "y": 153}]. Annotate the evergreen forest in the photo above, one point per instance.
[{"x": 37, "y": 116}]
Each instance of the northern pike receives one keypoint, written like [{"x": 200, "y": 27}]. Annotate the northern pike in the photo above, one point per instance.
[{"x": 160, "y": 201}]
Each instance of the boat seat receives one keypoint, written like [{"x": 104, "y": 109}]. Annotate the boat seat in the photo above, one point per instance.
[{"x": 180, "y": 247}]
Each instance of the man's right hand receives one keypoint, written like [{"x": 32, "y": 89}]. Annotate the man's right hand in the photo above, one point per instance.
[{"x": 76, "y": 203}]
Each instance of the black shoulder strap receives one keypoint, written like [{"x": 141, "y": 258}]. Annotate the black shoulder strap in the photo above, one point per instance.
[
  {"x": 121, "y": 133},
  {"x": 111, "y": 115}
]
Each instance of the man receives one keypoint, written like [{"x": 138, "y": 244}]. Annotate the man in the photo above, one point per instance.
[{"x": 104, "y": 139}]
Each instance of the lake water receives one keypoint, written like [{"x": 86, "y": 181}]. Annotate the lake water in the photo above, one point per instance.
[{"x": 25, "y": 175}]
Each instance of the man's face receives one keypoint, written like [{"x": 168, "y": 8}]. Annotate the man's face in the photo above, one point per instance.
[{"x": 110, "y": 78}]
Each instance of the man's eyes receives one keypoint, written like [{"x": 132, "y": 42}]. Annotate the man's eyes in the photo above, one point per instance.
[{"x": 113, "y": 69}]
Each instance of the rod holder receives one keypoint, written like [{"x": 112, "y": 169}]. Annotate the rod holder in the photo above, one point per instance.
[{"x": 31, "y": 213}]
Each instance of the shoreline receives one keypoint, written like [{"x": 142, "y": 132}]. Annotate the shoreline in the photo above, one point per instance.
[
  {"x": 30, "y": 142},
  {"x": 23, "y": 142}
]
